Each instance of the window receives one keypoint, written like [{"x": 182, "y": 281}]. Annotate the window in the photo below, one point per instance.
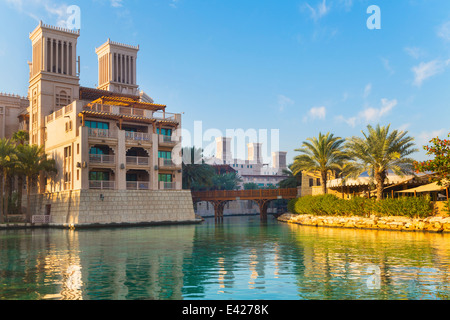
[
  {"x": 165, "y": 177},
  {"x": 132, "y": 177},
  {"x": 62, "y": 99},
  {"x": 164, "y": 132},
  {"x": 165, "y": 155},
  {"x": 1, "y": 110},
  {"x": 96, "y": 125},
  {"x": 68, "y": 126},
  {"x": 311, "y": 182},
  {"x": 318, "y": 181},
  {"x": 96, "y": 150},
  {"x": 98, "y": 176}
]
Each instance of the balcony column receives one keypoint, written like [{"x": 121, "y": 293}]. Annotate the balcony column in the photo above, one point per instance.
[
  {"x": 121, "y": 165},
  {"x": 84, "y": 142},
  {"x": 154, "y": 183}
]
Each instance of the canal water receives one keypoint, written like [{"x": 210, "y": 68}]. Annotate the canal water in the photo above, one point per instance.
[{"x": 239, "y": 259}]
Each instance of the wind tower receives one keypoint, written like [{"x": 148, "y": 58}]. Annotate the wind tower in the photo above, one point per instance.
[
  {"x": 54, "y": 82},
  {"x": 117, "y": 67}
]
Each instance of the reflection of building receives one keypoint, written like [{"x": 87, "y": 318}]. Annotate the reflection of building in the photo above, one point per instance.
[
  {"x": 253, "y": 169},
  {"x": 104, "y": 140}
]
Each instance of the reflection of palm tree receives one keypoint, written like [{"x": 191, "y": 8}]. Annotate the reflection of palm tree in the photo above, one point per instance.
[
  {"x": 33, "y": 161},
  {"x": 380, "y": 151},
  {"x": 321, "y": 154}
]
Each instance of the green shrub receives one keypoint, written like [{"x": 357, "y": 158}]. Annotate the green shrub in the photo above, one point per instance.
[{"x": 330, "y": 205}]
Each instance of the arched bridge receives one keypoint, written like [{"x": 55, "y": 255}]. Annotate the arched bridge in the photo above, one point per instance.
[{"x": 261, "y": 197}]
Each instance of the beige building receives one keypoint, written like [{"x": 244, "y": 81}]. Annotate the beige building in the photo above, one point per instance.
[
  {"x": 13, "y": 114},
  {"x": 118, "y": 154},
  {"x": 105, "y": 138}
]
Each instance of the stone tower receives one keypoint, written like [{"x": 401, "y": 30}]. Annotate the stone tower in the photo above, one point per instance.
[
  {"x": 54, "y": 82},
  {"x": 117, "y": 67}
]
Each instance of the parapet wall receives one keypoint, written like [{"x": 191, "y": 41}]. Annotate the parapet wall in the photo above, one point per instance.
[{"x": 108, "y": 207}]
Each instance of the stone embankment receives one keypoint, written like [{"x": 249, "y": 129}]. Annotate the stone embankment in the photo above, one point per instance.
[{"x": 439, "y": 224}]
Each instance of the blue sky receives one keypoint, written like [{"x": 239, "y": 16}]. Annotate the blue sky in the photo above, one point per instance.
[{"x": 300, "y": 67}]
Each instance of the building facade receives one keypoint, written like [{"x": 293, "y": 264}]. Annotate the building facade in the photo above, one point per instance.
[
  {"x": 117, "y": 152},
  {"x": 106, "y": 138}
]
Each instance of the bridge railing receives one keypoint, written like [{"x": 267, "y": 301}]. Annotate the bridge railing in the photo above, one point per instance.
[{"x": 256, "y": 194}]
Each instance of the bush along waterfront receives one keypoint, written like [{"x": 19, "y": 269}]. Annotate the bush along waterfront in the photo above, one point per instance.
[{"x": 402, "y": 214}]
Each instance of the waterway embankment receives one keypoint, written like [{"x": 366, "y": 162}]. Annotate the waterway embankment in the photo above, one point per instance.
[{"x": 437, "y": 224}]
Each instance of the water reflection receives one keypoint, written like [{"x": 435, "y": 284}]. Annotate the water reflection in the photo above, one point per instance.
[{"x": 241, "y": 258}]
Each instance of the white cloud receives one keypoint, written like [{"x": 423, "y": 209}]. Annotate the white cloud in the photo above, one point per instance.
[
  {"x": 318, "y": 112},
  {"x": 444, "y": 31},
  {"x": 319, "y": 11},
  {"x": 367, "y": 90},
  {"x": 414, "y": 52},
  {"x": 116, "y": 3},
  {"x": 370, "y": 114},
  {"x": 174, "y": 3},
  {"x": 387, "y": 65},
  {"x": 284, "y": 102},
  {"x": 425, "y": 136},
  {"x": 426, "y": 70}
]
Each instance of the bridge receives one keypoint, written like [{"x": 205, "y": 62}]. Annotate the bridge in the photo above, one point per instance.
[{"x": 262, "y": 197}]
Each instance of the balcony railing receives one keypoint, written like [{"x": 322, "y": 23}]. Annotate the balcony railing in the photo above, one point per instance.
[
  {"x": 129, "y": 111},
  {"x": 167, "y": 185},
  {"x": 166, "y": 139},
  {"x": 138, "y": 185},
  {"x": 137, "y": 136},
  {"x": 138, "y": 161},
  {"x": 168, "y": 163},
  {"x": 101, "y": 185},
  {"x": 102, "y": 158},
  {"x": 101, "y": 133}
]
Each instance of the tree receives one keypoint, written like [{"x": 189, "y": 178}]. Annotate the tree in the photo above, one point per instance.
[
  {"x": 196, "y": 173},
  {"x": 380, "y": 151},
  {"x": 292, "y": 181},
  {"x": 322, "y": 154},
  {"x": 227, "y": 181},
  {"x": 7, "y": 160},
  {"x": 33, "y": 162},
  {"x": 251, "y": 186},
  {"x": 20, "y": 138},
  {"x": 440, "y": 165}
]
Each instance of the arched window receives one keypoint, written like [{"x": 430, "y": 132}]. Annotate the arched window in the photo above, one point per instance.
[{"x": 62, "y": 99}]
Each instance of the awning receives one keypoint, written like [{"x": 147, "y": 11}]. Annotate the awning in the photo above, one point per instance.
[{"x": 432, "y": 187}]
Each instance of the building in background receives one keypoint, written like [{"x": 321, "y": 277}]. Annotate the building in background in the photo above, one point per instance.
[{"x": 13, "y": 114}]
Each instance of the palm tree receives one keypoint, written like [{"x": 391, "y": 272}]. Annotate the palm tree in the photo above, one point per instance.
[
  {"x": 7, "y": 160},
  {"x": 380, "y": 151},
  {"x": 195, "y": 172},
  {"x": 348, "y": 169},
  {"x": 33, "y": 162},
  {"x": 20, "y": 138},
  {"x": 292, "y": 181},
  {"x": 227, "y": 181},
  {"x": 322, "y": 154}
]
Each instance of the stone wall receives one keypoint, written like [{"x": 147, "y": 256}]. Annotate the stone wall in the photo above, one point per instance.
[
  {"x": 430, "y": 224},
  {"x": 107, "y": 207}
]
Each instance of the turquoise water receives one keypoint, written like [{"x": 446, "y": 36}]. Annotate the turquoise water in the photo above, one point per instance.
[{"x": 240, "y": 259}]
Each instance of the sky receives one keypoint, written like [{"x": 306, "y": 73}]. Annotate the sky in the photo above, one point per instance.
[{"x": 276, "y": 72}]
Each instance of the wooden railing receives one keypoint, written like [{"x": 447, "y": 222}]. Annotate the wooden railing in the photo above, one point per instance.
[{"x": 246, "y": 194}]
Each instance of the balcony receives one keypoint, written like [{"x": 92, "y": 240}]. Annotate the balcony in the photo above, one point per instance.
[
  {"x": 138, "y": 161},
  {"x": 168, "y": 140},
  {"x": 138, "y": 185},
  {"x": 137, "y": 136},
  {"x": 102, "y": 159},
  {"x": 101, "y": 185},
  {"x": 101, "y": 133},
  {"x": 168, "y": 185},
  {"x": 168, "y": 164}
]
